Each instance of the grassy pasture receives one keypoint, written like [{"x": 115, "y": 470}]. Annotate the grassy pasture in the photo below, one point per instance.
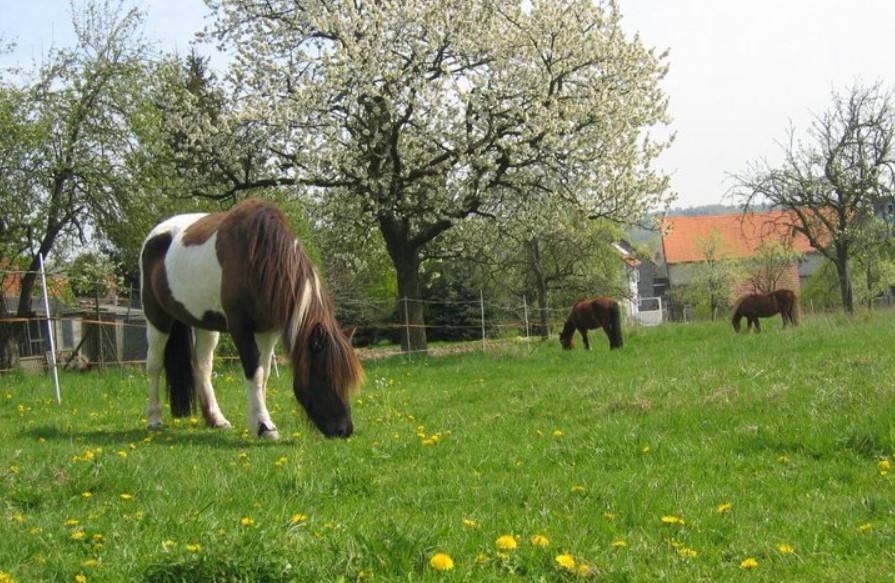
[{"x": 689, "y": 455}]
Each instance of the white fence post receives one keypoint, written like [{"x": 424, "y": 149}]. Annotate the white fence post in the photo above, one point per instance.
[
  {"x": 50, "y": 330},
  {"x": 482, "y": 303}
]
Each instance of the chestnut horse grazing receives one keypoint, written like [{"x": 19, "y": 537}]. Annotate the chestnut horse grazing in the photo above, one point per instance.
[
  {"x": 754, "y": 306},
  {"x": 589, "y": 314},
  {"x": 243, "y": 272}
]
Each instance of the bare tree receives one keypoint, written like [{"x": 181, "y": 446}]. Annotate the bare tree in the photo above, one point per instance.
[{"x": 836, "y": 180}]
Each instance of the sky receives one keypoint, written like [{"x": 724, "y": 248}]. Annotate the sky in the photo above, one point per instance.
[{"x": 741, "y": 72}]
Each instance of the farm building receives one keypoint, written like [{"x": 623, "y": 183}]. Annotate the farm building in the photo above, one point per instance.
[{"x": 738, "y": 237}]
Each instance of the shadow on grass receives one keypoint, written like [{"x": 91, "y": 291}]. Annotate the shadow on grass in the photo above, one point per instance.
[{"x": 218, "y": 438}]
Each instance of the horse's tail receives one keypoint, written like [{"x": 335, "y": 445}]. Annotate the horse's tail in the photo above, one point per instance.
[
  {"x": 737, "y": 314},
  {"x": 179, "y": 370},
  {"x": 615, "y": 326}
]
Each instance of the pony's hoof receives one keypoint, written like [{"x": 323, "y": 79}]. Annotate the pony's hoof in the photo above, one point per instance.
[
  {"x": 223, "y": 424},
  {"x": 155, "y": 426},
  {"x": 265, "y": 432}
]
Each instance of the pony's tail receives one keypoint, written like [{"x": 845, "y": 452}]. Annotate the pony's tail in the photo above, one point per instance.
[
  {"x": 615, "y": 323},
  {"x": 179, "y": 370}
]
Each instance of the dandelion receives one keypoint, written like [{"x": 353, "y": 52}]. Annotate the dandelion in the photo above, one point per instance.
[
  {"x": 540, "y": 540},
  {"x": 610, "y": 516},
  {"x": 866, "y": 527},
  {"x": 365, "y": 574},
  {"x": 78, "y": 535},
  {"x": 126, "y": 497},
  {"x": 90, "y": 563},
  {"x": 619, "y": 544},
  {"x": 578, "y": 489},
  {"x": 646, "y": 449},
  {"x": 168, "y": 544},
  {"x": 506, "y": 542},
  {"x": 193, "y": 548},
  {"x": 247, "y": 521},
  {"x": 749, "y": 563},
  {"x": 86, "y": 495},
  {"x": 566, "y": 561},
  {"x": 470, "y": 523},
  {"x": 673, "y": 520},
  {"x": 6, "y": 577},
  {"x": 281, "y": 462},
  {"x": 122, "y": 455},
  {"x": 19, "y": 517},
  {"x": 441, "y": 562},
  {"x": 71, "y": 522},
  {"x": 481, "y": 558},
  {"x": 884, "y": 467},
  {"x": 79, "y": 578},
  {"x": 724, "y": 508},
  {"x": 298, "y": 518},
  {"x": 785, "y": 549},
  {"x": 687, "y": 553},
  {"x": 557, "y": 433}
]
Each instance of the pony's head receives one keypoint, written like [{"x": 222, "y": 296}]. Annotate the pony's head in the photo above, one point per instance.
[
  {"x": 327, "y": 372},
  {"x": 567, "y": 336}
]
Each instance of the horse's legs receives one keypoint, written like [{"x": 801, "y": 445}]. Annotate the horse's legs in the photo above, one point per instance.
[
  {"x": 584, "y": 336},
  {"x": 155, "y": 360},
  {"x": 757, "y": 325},
  {"x": 206, "y": 341},
  {"x": 257, "y": 368}
]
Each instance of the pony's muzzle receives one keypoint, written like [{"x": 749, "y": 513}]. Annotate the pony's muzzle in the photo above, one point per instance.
[{"x": 340, "y": 428}]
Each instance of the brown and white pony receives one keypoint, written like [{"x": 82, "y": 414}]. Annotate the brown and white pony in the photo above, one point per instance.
[
  {"x": 241, "y": 271},
  {"x": 593, "y": 313},
  {"x": 754, "y": 306}
]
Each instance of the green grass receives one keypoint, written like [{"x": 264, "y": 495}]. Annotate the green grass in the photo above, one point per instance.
[{"x": 772, "y": 448}]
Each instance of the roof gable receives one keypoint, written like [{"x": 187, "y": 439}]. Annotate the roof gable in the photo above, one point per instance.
[{"x": 741, "y": 234}]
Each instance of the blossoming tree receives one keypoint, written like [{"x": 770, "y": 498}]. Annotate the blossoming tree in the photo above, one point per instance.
[{"x": 410, "y": 116}]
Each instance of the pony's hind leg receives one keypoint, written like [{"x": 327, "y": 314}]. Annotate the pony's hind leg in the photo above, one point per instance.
[
  {"x": 155, "y": 360},
  {"x": 584, "y": 337},
  {"x": 206, "y": 341}
]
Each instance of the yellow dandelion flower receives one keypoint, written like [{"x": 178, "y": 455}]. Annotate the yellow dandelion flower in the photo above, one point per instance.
[
  {"x": 79, "y": 578},
  {"x": 19, "y": 517},
  {"x": 687, "y": 553},
  {"x": 481, "y": 558},
  {"x": 610, "y": 516},
  {"x": 749, "y": 563},
  {"x": 557, "y": 433},
  {"x": 298, "y": 518},
  {"x": 247, "y": 521},
  {"x": 78, "y": 535},
  {"x": 428, "y": 442},
  {"x": 126, "y": 497},
  {"x": 122, "y": 455},
  {"x": 506, "y": 542},
  {"x": 441, "y": 562},
  {"x": 168, "y": 544},
  {"x": 619, "y": 544},
  {"x": 884, "y": 467},
  {"x": 194, "y": 548},
  {"x": 540, "y": 540},
  {"x": 71, "y": 522},
  {"x": 578, "y": 489},
  {"x": 6, "y": 577},
  {"x": 566, "y": 561},
  {"x": 725, "y": 508},
  {"x": 646, "y": 449},
  {"x": 470, "y": 523},
  {"x": 866, "y": 527},
  {"x": 86, "y": 495},
  {"x": 786, "y": 549},
  {"x": 673, "y": 520},
  {"x": 365, "y": 574}
]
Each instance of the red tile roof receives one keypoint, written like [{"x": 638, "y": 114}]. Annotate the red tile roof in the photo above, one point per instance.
[{"x": 741, "y": 234}]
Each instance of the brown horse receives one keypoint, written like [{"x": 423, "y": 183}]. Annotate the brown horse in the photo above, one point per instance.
[
  {"x": 754, "y": 306},
  {"x": 589, "y": 314},
  {"x": 242, "y": 272}
]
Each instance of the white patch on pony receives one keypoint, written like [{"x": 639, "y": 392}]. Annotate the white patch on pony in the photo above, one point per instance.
[
  {"x": 298, "y": 315},
  {"x": 194, "y": 273}
]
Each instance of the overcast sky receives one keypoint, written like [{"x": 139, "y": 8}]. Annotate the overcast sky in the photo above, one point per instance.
[{"x": 741, "y": 71}]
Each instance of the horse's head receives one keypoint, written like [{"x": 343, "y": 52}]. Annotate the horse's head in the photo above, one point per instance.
[
  {"x": 327, "y": 371},
  {"x": 567, "y": 340}
]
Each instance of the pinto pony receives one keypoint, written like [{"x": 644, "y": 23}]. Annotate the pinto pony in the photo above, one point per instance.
[
  {"x": 755, "y": 306},
  {"x": 241, "y": 271},
  {"x": 589, "y": 314}
]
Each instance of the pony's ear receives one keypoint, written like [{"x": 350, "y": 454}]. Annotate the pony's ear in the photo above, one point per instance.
[{"x": 349, "y": 331}]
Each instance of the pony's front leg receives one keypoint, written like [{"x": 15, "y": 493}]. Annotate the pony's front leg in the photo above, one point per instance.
[
  {"x": 206, "y": 341},
  {"x": 259, "y": 420},
  {"x": 584, "y": 337},
  {"x": 155, "y": 359}
]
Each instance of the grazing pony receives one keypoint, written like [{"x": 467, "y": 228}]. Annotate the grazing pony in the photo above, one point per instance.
[
  {"x": 243, "y": 272},
  {"x": 593, "y": 313},
  {"x": 755, "y": 306}
]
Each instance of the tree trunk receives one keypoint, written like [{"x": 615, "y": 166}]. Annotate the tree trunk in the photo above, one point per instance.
[
  {"x": 9, "y": 348},
  {"x": 537, "y": 270},
  {"x": 410, "y": 296},
  {"x": 842, "y": 272}
]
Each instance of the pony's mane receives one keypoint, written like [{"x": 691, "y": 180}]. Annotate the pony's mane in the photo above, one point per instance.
[{"x": 289, "y": 286}]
